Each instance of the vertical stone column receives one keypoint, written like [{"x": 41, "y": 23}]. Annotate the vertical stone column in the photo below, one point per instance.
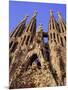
[{"x": 53, "y": 46}]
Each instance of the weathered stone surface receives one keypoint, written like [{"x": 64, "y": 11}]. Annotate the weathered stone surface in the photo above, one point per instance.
[{"x": 34, "y": 63}]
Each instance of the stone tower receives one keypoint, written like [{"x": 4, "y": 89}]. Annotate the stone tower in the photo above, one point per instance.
[
  {"x": 56, "y": 34},
  {"x": 32, "y": 62}
]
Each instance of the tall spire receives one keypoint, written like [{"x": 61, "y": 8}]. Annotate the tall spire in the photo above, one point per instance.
[
  {"x": 52, "y": 21},
  {"x": 32, "y": 24},
  {"x": 19, "y": 27},
  {"x": 61, "y": 23}
]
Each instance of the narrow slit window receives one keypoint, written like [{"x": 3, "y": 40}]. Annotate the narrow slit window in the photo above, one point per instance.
[
  {"x": 61, "y": 41},
  {"x": 10, "y": 44},
  {"x": 10, "y": 59},
  {"x": 65, "y": 38},
  {"x": 55, "y": 41},
  {"x": 62, "y": 28},
  {"x": 58, "y": 28},
  {"x": 57, "y": 37},
  {"x": 51, "y": 35},
  {"x": 53, "y": 23},
  {"x": 27, "y": 40},
  {"x": 54, "y": 35},
  {"x": 51, "y": 41}
]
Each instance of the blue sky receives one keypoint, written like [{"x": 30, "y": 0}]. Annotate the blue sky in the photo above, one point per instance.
[{"x": 18, "y": 9}]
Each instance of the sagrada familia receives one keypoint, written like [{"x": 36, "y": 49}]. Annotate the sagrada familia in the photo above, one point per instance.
[{"x": 34, "y": 63}]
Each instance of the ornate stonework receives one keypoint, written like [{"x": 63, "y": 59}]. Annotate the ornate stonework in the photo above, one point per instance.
[{"x": 34, "y": 63}]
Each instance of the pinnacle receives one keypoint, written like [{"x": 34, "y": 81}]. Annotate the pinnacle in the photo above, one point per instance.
[
  {"x": 35, "y": 14},
  {"x": 59, "y": 14},
  {"x": 26, "y": 16},
  {"x": 51, "y": 13}
]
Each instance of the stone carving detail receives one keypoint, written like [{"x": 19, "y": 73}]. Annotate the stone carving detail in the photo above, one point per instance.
[{"x": 36, "y": 63}]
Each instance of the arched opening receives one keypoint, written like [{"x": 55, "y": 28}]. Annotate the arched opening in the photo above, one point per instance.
[{"x": 34, "y": 58}]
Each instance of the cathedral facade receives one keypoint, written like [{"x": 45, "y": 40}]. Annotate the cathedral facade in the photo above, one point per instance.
[{"x": 34, "y": 63}]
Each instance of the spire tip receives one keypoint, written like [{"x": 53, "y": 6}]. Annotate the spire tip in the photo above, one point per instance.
[
  {"x": 35, "y": 13},
  {"x": 51, "y": 13},
  {"x": 59, "y": 14},
  {"x": 26, "y": 16}
]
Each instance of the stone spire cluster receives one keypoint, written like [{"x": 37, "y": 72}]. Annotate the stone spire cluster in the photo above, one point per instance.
[{"x": 34, "y": 63}]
